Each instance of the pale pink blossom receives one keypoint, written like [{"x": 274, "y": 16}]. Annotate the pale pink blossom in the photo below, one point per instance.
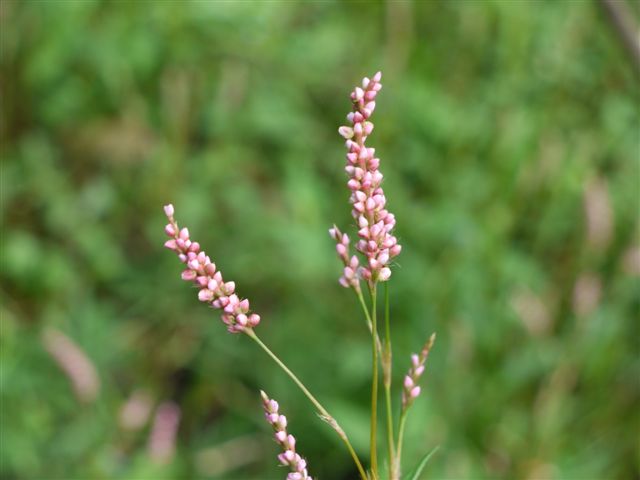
[
  {"x": 162, "y": 439},
  {"x": 74, "y": 362},
  {"x": 288, "y": 457},
  {"x": 410, "y": 387},
  {"x": 375, "y": 223},
  {"x": 200, "y": 270}
]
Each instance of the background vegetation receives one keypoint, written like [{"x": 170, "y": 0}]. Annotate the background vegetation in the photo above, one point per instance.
[{"x": 508, "y": 133}]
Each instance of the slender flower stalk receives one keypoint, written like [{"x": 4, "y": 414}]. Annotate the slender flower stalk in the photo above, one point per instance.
[
  {"x": 374, "y": 388},
  {"x": 324, "y": 414},
  {"x": 386, "y": 375},
  {"x": 410, "y": 392},
  {"x": 289, "y": 457}
]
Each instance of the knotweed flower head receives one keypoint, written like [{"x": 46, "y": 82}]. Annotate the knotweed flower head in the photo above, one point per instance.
[
  {"x": 373, "y": 220},
  {"x": 201, "y": 271},
  {"x": 410, "y": 388},
  {"x": 288, "y": 457}
]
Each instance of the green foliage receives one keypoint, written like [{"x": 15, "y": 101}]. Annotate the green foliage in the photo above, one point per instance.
[{"x": 498, "y": 122}]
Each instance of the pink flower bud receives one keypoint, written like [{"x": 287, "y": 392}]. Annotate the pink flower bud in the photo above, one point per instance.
[
  {"x": 346, "y": 132},
  {"x": 282, "y": 422},
  {"x": 171, "y": 244},
  {"x": 205, "y": 295},
  {"x": 170, "y": 230},
  {"x": 415, "y": 391},
  {"x": 408, "y": 383},
  {"x": 229, "y": 288},
  {"x": 168, "y": 210},
  {"x": 384, "y": 275},
  {"x": 188, "y": 275},
  {"x": 254, "y": 320}
]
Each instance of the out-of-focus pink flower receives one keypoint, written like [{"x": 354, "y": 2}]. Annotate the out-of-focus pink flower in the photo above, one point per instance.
[
  {"x": 373, "y": 220},
  {"x": 74, "y": 362},
  {"x": 162, "y": 440},
  {"x": 410, "y": 387},
  {"x": 201, "y": 271},
  {"x": 135, "y": 411},
  {"x": 288, "y": 457}
]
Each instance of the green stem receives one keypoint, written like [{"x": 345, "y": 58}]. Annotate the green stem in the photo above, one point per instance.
[
  {"x": 323, "y": 412},
  {"x": 403, "y": 421},
  {"x": 365, "y": 309},
  {"x": 386, "y": 367},
  {"x": 374, "y": 385}
]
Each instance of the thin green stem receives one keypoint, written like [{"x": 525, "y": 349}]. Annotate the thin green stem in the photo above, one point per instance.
[
  {"x": 365, "y": 309},
  {"x": 374, "y": 385},
  {"x": 403, "y": 421},
  {"x": 386, "y": 367},
  {"x": 323, "y": 411}
]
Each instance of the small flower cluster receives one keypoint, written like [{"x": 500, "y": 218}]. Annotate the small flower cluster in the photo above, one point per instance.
[
  {"x": 289, "y": 457},
  {"x": 411, "y": 389},
  {"x": 201, "y": 271},
  {"x": 375, "y": 223},
  {"x": 349, "y": 276}
]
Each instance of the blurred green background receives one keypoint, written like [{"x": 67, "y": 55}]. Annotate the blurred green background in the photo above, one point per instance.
[{"x": 508, "y": 133}]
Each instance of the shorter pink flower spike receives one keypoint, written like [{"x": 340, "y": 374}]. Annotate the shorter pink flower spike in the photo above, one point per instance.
[
  {"x": 350, "y": 277},
  {"x": 213, "y": 290},
  {"x": 410, "y": 387},
  {"x": 288, "y": 457}
]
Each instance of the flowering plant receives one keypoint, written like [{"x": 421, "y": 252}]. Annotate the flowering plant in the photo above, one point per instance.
[{"x": 377, "y": 247}]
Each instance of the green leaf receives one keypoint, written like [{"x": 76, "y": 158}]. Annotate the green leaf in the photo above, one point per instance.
[{"x": 416, "y": 473}]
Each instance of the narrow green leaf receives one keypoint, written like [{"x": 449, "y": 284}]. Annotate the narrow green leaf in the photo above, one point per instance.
[{"x": 422, "y": 464}]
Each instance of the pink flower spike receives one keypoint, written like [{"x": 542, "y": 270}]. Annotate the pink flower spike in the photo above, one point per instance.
[
  {"x": 202, "y": 272},
  {"x": 411, "y": 389},
  {"x": 365, "y": 182},
  {"x": 289, "y": 457}
]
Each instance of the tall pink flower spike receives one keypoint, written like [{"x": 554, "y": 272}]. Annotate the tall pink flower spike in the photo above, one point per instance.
[
  {"x": 375, "y": 223},
  {"x": 288, "y": 457},
  {"x": 201, "y": 271},
  {"x": 411, "y": 389}
]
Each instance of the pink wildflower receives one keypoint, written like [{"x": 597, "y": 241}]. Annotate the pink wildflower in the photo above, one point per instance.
[
  {"x": 74, "y": 362},
  {"x": 289, "y": 457},
  {"x": 162, "y": 439},
  {"x": 374, "y": 221},
  {"x": 410, "y": 388},
  {"x": 201, "y": 271}
]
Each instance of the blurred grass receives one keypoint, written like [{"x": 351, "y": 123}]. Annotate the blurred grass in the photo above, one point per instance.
[{"x": 508, "y": 133}]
